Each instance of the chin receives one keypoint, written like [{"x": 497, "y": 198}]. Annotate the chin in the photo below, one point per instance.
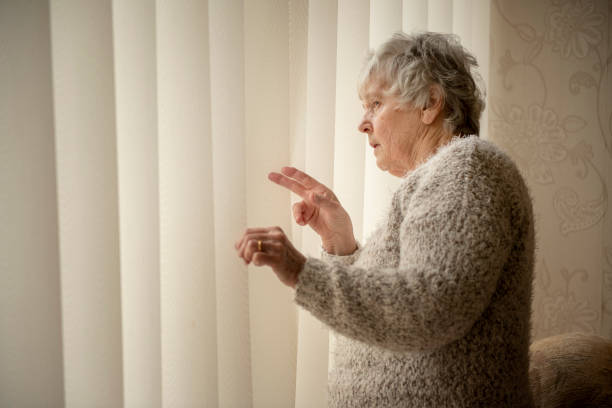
[
  {"x": 397, "y": 171},
  {"x": 400, "y": 174}
]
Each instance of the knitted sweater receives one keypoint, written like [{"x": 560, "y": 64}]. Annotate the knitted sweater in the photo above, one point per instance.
[{"x": 434, "y": 310}]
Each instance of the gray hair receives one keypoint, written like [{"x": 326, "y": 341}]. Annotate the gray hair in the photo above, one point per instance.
[{"x": 409, "y": 65}]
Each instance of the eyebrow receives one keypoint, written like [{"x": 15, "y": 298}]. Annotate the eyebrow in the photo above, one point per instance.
[{"x": 371, "y": 95}]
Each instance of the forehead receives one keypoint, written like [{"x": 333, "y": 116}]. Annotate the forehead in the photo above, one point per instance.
[{"x": 371, "y": 89}]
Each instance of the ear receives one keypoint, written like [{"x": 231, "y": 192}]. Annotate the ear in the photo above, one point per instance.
[{"x": 434, "y": 106}]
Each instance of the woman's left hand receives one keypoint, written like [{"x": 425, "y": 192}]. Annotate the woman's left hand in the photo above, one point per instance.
[{"x": 275, "y": 251}]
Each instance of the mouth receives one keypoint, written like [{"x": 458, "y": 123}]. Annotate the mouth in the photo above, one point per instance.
[{"x": 374, "y": 145}]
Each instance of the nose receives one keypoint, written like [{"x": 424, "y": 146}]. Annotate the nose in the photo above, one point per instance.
[{"x": 365, "y": 126}]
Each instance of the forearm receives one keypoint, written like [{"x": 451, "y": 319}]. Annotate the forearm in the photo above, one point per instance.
[
  {"x": 392, "y": 308},
  {"x": 427, "y": 301}
]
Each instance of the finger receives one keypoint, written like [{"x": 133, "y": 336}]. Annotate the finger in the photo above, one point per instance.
[
  {"x": 272, "y": 239},
  {"x": 267, "y": 247},
  {"x": 288, "y": 183},
  {"x": 246, "y": 233},
  {"x": 308, "y": 213},
  {"x": 298, "y": 212},
  {"x": 310, "y": 183},
  {"x": 303, "y": 212},
  {"x": 251, "y": 239},
  {"x": 262, "y": 259},
  {"x": 307, "y": 181}
]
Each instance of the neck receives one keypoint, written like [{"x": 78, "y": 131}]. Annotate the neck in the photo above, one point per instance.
[{"x": 433, "y": 138}]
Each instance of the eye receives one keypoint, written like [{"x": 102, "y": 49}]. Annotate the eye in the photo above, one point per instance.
[{"x": 372, "y": 105}]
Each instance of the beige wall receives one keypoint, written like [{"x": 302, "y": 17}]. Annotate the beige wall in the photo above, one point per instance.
[{"x": 550, "y": 108}]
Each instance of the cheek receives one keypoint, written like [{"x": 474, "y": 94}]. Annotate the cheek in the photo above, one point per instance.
[{"x": 383, "y": 131}]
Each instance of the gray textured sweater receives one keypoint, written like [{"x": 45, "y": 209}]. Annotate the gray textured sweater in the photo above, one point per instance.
[{"x": 434, "y": 310}]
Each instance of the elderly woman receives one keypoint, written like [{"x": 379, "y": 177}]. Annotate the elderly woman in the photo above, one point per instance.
[{"x": 434, "y": 309}]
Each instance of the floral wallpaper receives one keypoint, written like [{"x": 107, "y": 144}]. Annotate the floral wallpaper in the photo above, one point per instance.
[{"x": 550, "y": 97}]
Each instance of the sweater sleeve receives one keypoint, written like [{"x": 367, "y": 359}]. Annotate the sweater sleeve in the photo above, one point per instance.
[
  {"x": 342, "y": 259},
  {"x": 454, "y": 240}
]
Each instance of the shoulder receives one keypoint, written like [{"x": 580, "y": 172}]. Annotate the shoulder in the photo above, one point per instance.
[
  {"x": 466, "y": 169},
  {"x": 472, "y": 156},
  {"x": 464, "y": 159}
]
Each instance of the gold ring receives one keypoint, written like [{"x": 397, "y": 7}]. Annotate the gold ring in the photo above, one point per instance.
[{"x": 259, "y": 246}]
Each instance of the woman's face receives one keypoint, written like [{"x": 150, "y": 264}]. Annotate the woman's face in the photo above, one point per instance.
[{"x": 393, "y": 130}]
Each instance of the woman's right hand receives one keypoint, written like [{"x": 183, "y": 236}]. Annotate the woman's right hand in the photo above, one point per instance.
[{"x": 320, "y": 209}]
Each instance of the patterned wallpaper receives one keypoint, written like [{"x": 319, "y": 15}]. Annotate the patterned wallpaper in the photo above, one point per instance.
[{"x": 551, "y": 110}]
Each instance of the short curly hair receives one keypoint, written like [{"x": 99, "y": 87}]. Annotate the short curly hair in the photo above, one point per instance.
[{"x": 409, "y": 65}]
